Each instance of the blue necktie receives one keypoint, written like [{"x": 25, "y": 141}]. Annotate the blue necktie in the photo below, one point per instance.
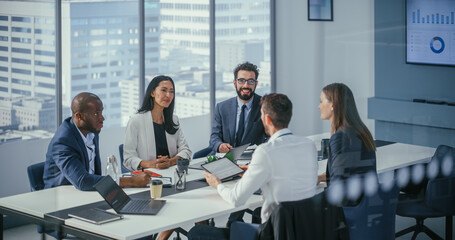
[{"x": 241, "y": 128}]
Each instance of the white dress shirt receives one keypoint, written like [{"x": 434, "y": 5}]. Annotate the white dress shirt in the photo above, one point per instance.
[
  {"x": 90, "y": 146},
  {"x": 285, "y": 168}
]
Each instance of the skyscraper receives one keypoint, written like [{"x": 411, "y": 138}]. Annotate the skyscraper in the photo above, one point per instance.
[{"x": 99, "y": 49}]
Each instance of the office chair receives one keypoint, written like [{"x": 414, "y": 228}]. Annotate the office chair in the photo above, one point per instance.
[
  {"x": 35, "y": 176},
  {"x": 120, "y": 150},
  {"x": 241, "y": 230},
  {"x": 202, "y": 153},
  {"x": 437, "y": 199},
  {"x": 374, "y": 216}
]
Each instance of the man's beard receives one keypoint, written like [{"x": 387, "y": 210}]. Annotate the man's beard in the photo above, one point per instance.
[{"x": 245, "y": 97}]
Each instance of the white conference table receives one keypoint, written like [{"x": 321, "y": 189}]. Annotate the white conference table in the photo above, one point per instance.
[
  {"x": 183, "y": 208},
  {"x": 389, "y": 157}
]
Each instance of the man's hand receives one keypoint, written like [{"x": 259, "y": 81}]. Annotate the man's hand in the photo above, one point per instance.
[
  {"x": 212, "y": 180},
  {"x": 140, "y": 180},
  {"x": 244, "y": 167},
  {"x": 162, "y": 162},
  {"x": 224, "y": 147},
  {"x": 322, "y": 178}
]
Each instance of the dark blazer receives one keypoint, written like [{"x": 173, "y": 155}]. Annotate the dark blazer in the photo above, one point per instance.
[
  {"x": 223, "y": 125},
  {"x": 348, "y": 156},
  {"x": 67, "y": 160}
]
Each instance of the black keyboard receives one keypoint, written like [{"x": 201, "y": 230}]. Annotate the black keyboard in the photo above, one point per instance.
[{"x": 138, "y": 206}]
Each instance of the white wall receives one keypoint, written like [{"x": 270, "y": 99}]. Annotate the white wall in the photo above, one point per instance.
[
  {"x": 17, "y": 156},
  {"x": 313, "y": 54}
]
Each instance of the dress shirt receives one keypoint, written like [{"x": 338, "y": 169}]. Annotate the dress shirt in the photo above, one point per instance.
[
  {"x": 285, "y": 168},
  {"x": 249, "y": 105},
  {"x": 90, "y": 146}
]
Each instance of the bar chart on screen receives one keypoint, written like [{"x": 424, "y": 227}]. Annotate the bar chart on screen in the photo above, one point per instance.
[{"x": 430, "y": 32}]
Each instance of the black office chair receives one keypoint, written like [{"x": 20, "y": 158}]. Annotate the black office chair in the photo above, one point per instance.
[
  {"x": 120, "y": 150},
  {"x": 374, "y": 216},
  {"x": 436, "y": 200},
  {"x": 202, "y": 153},
  {"x": 35, "y": 176}
]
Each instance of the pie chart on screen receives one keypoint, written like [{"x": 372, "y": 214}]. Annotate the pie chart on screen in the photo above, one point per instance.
[{"x": 437, "y": 45}]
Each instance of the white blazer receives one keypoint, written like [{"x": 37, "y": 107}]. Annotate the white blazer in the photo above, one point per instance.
[{"x": 140, "y": 141}]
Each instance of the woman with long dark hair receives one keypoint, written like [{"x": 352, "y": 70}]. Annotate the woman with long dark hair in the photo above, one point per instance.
[
  {"x": 352, "y": 148},
  {"x": 153, "y": 137}
]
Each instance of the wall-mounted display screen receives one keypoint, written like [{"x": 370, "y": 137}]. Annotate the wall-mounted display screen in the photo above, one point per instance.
[{"x": 430, "y": 32}]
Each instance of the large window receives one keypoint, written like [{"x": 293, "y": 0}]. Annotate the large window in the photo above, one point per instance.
[
  {"x": 184, "y": 54},
  {"x": 242, "y": 32},
  {"x": 100, "y": 54},
  {"x": 27, "y": 70}
]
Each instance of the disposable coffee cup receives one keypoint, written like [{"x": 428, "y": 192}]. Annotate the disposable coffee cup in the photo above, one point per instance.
[{"x": 156, "y": 186}]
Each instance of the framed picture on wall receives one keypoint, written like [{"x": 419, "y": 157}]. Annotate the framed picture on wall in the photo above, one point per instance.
[{"x": 320, "y": 10}]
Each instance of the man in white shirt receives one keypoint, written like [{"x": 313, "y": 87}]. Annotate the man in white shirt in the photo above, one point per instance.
[{"x": 285, "y": 167}]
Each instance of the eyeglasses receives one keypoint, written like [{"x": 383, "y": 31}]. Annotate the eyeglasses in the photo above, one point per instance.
[{"x": 249, "y": 81}]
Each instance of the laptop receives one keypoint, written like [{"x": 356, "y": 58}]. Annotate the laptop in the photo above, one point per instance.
[
  {"x": 122, "y": 203},
  {"x": 236, "y": 153}
]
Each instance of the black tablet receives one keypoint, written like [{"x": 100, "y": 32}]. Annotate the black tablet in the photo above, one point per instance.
[{"x": 222, "y": 168}]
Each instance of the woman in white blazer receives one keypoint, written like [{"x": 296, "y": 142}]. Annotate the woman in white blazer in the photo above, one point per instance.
[{"x": 153, "y": 137}]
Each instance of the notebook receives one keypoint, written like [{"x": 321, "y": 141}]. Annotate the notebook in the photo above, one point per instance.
[
  {"x": 236, "y": 153},
  {"x": 223, "y": 168},
  {"x": 95, "y": 215},
  {"x": 122, "y": 203}
]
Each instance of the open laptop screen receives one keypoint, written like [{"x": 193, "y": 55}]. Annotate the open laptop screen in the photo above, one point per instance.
[{"x": 112, "y": 193}]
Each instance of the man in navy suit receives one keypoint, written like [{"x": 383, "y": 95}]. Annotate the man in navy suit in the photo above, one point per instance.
[
  {"x": 238, "y": 120},
  {"x": 73, "y": 154}
]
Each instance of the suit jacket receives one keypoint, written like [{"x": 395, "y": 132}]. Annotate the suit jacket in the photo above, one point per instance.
[
  {"x": 67, "y": 160},
  {"x": 140, "y": 141},
  {"x": 348, "y": 156},
  {"x": 223, "y": 125},
  {"x": 311, "y": 218}
]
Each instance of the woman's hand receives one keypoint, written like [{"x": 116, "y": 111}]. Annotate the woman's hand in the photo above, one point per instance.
[{"x": 163, "y": 162}]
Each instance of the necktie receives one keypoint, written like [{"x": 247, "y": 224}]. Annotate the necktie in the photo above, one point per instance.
[{"x": 241, "y": 128}]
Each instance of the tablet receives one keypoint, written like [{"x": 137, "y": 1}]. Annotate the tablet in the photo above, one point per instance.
[{"x": 222, "y": 168}]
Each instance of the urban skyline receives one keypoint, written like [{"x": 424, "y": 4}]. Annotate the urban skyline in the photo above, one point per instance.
[{"x": 100, "y": 55}]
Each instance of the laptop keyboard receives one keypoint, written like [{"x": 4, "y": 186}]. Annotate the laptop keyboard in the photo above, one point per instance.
[{"x": 138, "y": 206}]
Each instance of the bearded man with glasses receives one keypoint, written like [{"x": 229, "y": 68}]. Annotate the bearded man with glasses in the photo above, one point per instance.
[{"x": 238, "y": 120}]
